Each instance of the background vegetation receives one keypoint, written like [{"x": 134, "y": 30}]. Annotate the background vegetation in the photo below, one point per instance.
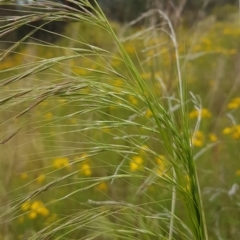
[{"x": 99, "y": 141}]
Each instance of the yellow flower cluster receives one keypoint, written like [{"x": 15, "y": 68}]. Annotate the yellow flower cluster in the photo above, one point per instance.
[
  {"x": 235, "y": 103},
  {"x": 85, "y": 169},
  {"x": 198, "y": 140},
  {"x": 136, "y": 163},
  {"x": 61, "y": 162},
  {"x": 203, "y": 112},
  {"x": 36, "y": 208},
  {"x": 231, "y": 31},
  {"x": 234, "y": 131},
  {"x": 161, "y": 160}
]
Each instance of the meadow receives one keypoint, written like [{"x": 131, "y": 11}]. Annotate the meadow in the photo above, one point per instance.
[{"x": 122, "y": 132}]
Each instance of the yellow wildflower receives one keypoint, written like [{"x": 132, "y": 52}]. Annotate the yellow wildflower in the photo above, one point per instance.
[
  {"x": 148, "y": 113},
  {"x": 39, "y": 208},
  {"x": 80, "y": 71},
  {"x": 48, "y": 115},
  {"x": 227, "y": 130},
  {"x": 43, "y": 211},
  {"x": 136, "y": 163},
  {"x": 146, "y": 75},
  {"x": 41, "y": 178},
  {"x": 61, "y": 162},
  {"x": 25, "y": 206},
  {"x": 133, "y": 100},
  {"x": 198, "y": 139},
  {"x": 24, "y": 176},
  {"x": 106, "y": 129},
  {"x": 118, "y": 82},
  {"x": 144, "y": 149},
  {"x": 86, "y": 169},
  {"x": 161, "y": 164},
  {"x": 32, "y": 215},
  {"x": 84, "y": 156},
  {"x": 129, "y": 48},
  {"x": 203, "y": 112},
  {"x": 74, "y": 120},
  {"x": 212, "y": 137},
  {"x": 235, "y": 103},
  {"x": 238, "y": 172},
  {"x": 102, "y": 187},
  {"x": 236, "y": 132},
  {"x": 150, "y": 53}
]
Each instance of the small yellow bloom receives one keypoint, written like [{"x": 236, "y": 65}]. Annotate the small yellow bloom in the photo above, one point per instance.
[
  {"x": 161, "y": 161},
  {"x": 102, "y": 187},
  {"x": 106, "y": 129},
  {"x": 36, "y": 204},
  {"x": 41, "y": 178},
  {"x": 61, "y": 162},
  {"x": 133, "y": 100},
  {"x": 24, "y": 176},
  {"x": 32, "y": 215},
  {"x": 136, "y": 163},
  {"x": 74, "y": 120},
  {"x": 86, "y": 169},
  {"x": 118, "y": 83},
  {"x": 238, "y": 172},
  {"x": 25, "y": 206},
  {"x": 84, "y": 156},
  {"x": 212, "y": 137},
  {"x": 227, "y": 130},
  {"x": 203, "y": 112},
  {"x": 198, "y": 139},
  {"x": 80, "y": 71},
  {"x": 150, "y": 53},
  {"x": 48, "y": 115},
  {"x": 236, "y": 132},
  {"x": 39, "y": 208},
  {"x": 148, "y": 113},
  {"x": 43, "y": 211},
  {"x": 146, "y": 75},
  {"x": 129, "y": 48},
  {"x": 144, "y": 149},
  {"x": 235, "y": 103}
]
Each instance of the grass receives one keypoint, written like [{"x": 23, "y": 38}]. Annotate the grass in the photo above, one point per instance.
[{"x": 97, "y": 140}]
